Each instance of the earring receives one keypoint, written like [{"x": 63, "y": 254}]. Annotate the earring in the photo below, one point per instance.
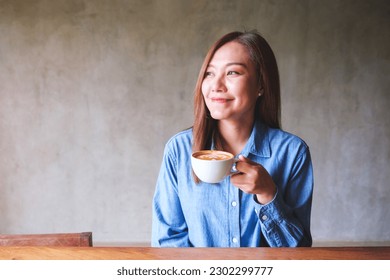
[{"x": 260, "y": 93}]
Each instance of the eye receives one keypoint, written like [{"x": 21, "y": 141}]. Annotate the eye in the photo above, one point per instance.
[
  {"x": 208, "y": 74},
  {"x": 233, "y": 73}
]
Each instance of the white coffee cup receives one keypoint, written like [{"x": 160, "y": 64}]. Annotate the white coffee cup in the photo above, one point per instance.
[{"x": 212, "y": 166}]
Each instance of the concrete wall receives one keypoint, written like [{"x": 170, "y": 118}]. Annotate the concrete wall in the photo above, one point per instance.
[{"x": 90, "y": 91}]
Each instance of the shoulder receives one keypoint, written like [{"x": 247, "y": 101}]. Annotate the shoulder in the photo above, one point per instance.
[
  {"x": 280, "y": 135},
  {"x": 282, "y": 140},
  {"x": 184, "y": 135},
  {"x": 181, "y": 141}
]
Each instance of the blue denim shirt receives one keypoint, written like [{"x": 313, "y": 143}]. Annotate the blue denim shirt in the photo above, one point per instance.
[{"x": 187, "y": 214}]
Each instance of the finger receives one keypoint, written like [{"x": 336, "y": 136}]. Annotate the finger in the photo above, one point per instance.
[
  {"x": 244, "y": 164},
  {"x": 247, "y": 160}
]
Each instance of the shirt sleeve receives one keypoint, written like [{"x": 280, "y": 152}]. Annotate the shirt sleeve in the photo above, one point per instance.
[
  {"x": 169, "y": 228},
  {"x": 285, "y": 221}
]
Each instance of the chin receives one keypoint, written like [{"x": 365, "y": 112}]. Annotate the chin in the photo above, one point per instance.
[{"x": 218, "y": 117}]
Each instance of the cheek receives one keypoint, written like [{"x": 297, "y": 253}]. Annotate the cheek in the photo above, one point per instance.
[
  {"x": 204, "y": 94},
  {"x": 204, "y": 88},
  {"x": 248, "y": 96},
  {"x": 252, "y": 90}
]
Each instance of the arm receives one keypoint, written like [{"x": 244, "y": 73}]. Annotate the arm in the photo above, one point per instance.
[
  {"x": 285, "y": 219},
  {"x": 169, "y": 228}
]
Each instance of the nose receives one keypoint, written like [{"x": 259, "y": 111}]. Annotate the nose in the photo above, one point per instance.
[{"x": 218, "y": 84}]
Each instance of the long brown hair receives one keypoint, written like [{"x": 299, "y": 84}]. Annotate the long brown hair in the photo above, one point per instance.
[{"x": 267, "y": 108}]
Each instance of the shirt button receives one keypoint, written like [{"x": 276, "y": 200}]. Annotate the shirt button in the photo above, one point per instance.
[
  {"x": 234, "y": 240},
  {"x": 234, "y": 204},
  {"x": 264, "y": 217}
]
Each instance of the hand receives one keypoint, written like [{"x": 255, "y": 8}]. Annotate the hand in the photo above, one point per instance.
[{"x": 253, "y": 178}]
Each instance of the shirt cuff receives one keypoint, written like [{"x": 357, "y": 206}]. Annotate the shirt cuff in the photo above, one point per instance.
[{"x": 269, "y": 214}]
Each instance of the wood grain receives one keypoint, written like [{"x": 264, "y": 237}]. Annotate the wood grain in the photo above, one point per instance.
[
  {"x": 79, "y": 239},
  {"x": 147, "y": 253}
]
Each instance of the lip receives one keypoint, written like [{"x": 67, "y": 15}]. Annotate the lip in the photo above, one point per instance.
[{"x": 220, "y": 100}]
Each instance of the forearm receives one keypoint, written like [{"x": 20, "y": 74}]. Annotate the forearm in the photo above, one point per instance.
[
  {"x": 282, "y": 227},
  {"x": 168, "y": 226},
  {"x": 177, "y": 239}
]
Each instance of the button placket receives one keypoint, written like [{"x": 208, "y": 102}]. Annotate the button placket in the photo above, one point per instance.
[{"x": 234, "y": 217}]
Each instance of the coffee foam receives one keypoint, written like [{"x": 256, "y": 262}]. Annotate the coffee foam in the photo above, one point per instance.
[{"x": 213, "y": 156}]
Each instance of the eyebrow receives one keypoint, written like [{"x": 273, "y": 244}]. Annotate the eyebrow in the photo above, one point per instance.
[{"x": 231, "y": 63}]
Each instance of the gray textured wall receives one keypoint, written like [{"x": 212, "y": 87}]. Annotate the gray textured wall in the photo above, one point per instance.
[{"x": 90, "y": 91}]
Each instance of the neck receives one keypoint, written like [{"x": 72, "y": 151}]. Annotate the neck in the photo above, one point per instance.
[{"x": 234, "y": 135}]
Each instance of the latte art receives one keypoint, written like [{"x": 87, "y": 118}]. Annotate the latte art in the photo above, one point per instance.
[{"x": 212, "y": 155}]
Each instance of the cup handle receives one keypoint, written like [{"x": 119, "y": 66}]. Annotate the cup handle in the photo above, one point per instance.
[{"x": 234, "y": 169}]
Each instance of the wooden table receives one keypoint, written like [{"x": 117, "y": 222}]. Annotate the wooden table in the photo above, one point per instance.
[{"x": 147, "y": 253}]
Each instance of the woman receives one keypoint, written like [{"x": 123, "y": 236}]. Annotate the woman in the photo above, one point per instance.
[{"x": 237, "y": 109}]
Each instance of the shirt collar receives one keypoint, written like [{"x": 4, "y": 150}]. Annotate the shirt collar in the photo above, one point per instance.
[{"x": 258, "y": 142}]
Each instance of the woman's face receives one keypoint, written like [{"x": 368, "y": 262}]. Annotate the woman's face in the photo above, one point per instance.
[{"x": 230, "y": 86}]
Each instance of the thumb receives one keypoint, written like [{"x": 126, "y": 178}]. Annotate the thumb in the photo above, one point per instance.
[
  {"x": 243, "y": 163},
  {"x": 245, "y": 159}
]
